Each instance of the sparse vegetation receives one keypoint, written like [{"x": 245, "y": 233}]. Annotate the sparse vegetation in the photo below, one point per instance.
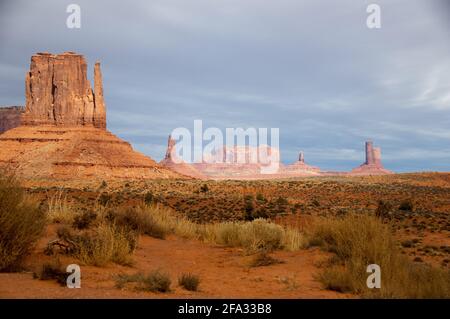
[
  {"x": 149, "y": 198},
  {"x": 21, "y": 224},
  {"x": 84, "y": 220},
  {"x": 58, "y": 209},
  {"x": 138, "y": 220},
  {"x": 204, "y": 188},
  {"x": 52, "y": 271},
  {"x": 406, "y": 205},
  {"x": 189, "y": 281},
  {"x": 254, "y": 236},
  {"x": 392, "y": 230},
  {"x": 372, "y": 243},
  {"x": 155, "y": 281},
  {"x": 106, "y": 243},
  {"x": 263, "y": 259}
]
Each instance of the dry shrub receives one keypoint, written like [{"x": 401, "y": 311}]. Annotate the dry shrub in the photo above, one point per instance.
[
  {"x": 226, "y": 234},
  {"x": 52, "y": 271},
  {"x": 21, "y": 224},
  {"x": 104, "y": 244},
  {"x": 189, "y": 281},
  {"x": 253, "y": 236},
  {"x": 260, "y": 235},
  {"x": 84, "y": 220},
  {"x": 292, "y": 239},
  {"x": 263, "y": 259},
  {"x": 140, "y": 221},
  {"x": 59, "y": 210},
  {"x": 360, "y": 240},
  {"x": 156, "y": 281}
]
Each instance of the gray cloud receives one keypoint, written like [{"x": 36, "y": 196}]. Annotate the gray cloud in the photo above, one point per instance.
[{"x": 311, "y": 68}]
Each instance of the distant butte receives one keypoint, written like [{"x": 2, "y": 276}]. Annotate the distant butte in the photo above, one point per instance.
[
  {"x": 61, "y": 134},
  {"x": 172, "y": 162},
  {"x": 372, "y": 165},
  {"x": 301, "y": 168}
]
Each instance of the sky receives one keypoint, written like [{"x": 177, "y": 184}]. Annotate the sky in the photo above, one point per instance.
[{"x": 313, "y": 69}]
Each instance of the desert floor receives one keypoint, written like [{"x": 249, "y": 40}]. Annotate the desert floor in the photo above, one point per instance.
[{"x": 422, "y": 231}]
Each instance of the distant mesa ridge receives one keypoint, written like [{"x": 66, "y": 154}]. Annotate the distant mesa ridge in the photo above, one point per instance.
[{"x": 61, "y": 133}]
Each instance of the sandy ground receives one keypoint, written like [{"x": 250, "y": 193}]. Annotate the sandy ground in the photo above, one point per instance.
[{"x": 224, "y": 273}]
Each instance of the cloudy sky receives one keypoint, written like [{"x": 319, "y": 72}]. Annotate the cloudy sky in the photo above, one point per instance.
[{"x": 311, "y": 68}]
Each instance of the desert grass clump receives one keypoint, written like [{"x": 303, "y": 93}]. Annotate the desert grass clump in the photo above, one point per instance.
[
  {"x": 260, "y": 235},
  {"x": 293, "y": 239},
  {"x": 155, "y": 281},
  {"x": 84, "y": 220},
  {"x": 189, "y": 281},
  {"x": 52, "y": 271},
  {"x": 262, "y": 259},
  {"x": 58, "y": 209},
  {"x": 360, "y": 240},
  {"x": 21, "y": 224},
  {"x": 226, "y": 234},
  {"x": 106, "y": 243},
  {"x": 139, "y": 220},
  {"x": 254, "y": 236}
]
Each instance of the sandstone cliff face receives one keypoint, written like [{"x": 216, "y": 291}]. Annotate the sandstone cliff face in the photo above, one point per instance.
[
  {"x": 10, "y": 117},
  {"x": 59, "y": 93},
  {"x": 63, "y": 134}
]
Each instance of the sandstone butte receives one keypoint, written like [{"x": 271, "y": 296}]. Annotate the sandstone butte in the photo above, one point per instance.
[
  {"x": 176, "y": 164},
  {"x": 372, "y": 165},
  {"x": 62, "y": 132}
]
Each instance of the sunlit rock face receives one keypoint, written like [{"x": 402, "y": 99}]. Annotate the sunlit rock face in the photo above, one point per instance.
[{"x": 58, "y": 92}]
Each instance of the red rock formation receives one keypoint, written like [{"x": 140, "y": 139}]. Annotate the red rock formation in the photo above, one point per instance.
[
  {"x": 59, "y": 93},
  {"x": 172, "y": 162},
  {"x": 10, "y": 117},
  {"x": 372, "y": 165},
  {"x": 301, "y": 157},
  {"x": 64, "y": 134},
  {"x": 300, "y": 168},
  {"x": 239, "y": 162},
  {"x": 99, "y": 102}
]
